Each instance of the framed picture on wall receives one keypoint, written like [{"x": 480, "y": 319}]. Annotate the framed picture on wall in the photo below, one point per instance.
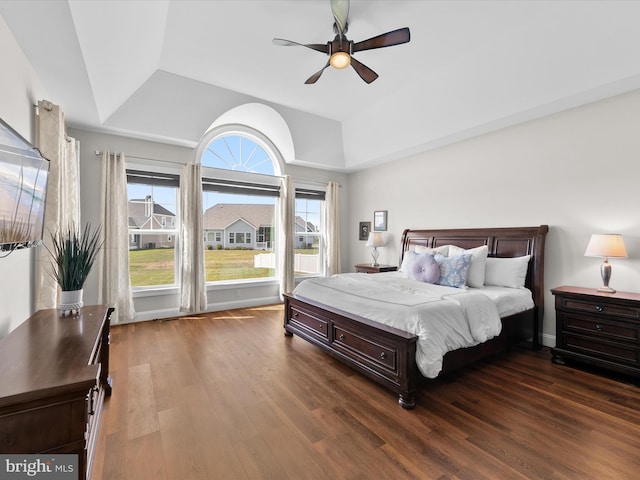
[
  {"x": 363, "y": 230},
  {"x": 380, "y": 221}
]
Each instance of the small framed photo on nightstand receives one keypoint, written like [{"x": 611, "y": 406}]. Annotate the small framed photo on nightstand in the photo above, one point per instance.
[{"x": 380, "y": 221}]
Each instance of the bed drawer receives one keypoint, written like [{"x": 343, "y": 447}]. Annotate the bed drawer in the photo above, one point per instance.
[
  {"x": 376, "y": 353},
  {"x": 311, "y": 323}
]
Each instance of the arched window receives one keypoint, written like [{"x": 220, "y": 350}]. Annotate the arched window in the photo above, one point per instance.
[
  {"x": 239, "y": 153},
  {"x": 240, "y": 187},
  {"x": 241, "y": 173}
]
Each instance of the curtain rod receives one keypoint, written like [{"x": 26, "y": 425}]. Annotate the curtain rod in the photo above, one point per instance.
[{"x": 99, "y": 153}]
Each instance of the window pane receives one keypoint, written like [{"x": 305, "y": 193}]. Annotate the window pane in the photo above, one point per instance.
[
  {"x": 247, "y": 223},
  {"x": 152, "y": 234},
  {"x": 307, "y": 236},
  {"x": 235, "y": 152},
  {"x": 152, "y": 262}
]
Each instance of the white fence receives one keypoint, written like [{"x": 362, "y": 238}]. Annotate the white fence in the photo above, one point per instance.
[{"x": 301, "y": 262}]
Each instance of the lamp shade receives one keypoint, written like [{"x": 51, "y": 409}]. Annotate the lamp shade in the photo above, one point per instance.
[
  {"x": 375, "y": 240},
  {"x": 606, "y": 245}
]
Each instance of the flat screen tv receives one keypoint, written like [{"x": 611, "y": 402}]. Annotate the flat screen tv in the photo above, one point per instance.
[{"x": 23, "y": 189}]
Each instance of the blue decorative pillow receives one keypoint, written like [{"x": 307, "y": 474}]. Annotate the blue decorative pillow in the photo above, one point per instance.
[
  {"x": 453, "y": 270},
  {"x": 423, "y": 267}
]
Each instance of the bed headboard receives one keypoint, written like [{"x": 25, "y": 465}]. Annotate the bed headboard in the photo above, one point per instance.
[{"x": 502, "y": 242}]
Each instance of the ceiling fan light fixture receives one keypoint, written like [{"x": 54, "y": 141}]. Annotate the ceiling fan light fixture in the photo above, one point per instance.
[{"x": 340, "y": 60}]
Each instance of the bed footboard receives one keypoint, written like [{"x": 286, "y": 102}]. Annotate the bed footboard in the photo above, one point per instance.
[{"x": 384, "y": 354}]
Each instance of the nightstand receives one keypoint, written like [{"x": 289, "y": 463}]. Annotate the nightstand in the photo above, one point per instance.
[
  {"x": 601, "y": 329},
  {"x": 369, "y": 268}
]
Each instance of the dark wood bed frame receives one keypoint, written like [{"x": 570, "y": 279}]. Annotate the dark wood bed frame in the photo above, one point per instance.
[{"x": 386, "y": 354}]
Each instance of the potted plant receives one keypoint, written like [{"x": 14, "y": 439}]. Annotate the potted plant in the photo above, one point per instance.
[{"x": 73, "y": 253}]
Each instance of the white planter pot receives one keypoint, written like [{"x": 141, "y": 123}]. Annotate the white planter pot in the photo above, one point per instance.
[{"x": 70, "y": 302}]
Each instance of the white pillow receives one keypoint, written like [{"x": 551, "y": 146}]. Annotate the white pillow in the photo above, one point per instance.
[
  {"x": 476, "y": 274},
  {"x": 442, "y": 250},
  {"x": 507, "y": 272}
]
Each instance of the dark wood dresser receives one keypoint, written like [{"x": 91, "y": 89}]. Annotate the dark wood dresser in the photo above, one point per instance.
[
  {"x": 54, "y": 375},
  {"x": 601, "y": 329}
]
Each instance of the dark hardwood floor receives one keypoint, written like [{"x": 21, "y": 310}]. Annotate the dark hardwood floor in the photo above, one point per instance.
[{"x": 220, "y": 397}]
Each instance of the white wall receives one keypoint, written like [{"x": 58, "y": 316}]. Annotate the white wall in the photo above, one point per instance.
[
  {"x": 577, "y": 171},
  {"x": 20, "y": 89},
  {"x": 162, "y": 304}
]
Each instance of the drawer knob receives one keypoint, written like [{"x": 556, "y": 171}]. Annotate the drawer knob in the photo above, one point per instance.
[
  {"x": 341, "y": 337},
  {"x": 295, "y": 314},
  {"x": 599, "y": 308},
  {"x": 599, "y": 327},
  {"x": 320, "y": 327},
  {"x": 383, "y": 355}
]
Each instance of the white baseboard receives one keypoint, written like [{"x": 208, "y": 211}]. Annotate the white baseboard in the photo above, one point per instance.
[
  {"x": 214, "y": 307},
  {"x": 548, "y": 340}
]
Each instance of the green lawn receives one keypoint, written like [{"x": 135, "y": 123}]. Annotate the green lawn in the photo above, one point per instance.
[{"x": 156, "y": 266}]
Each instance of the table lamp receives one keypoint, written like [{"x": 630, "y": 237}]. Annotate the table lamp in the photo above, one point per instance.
[
  {"x": 375, "y": 240},
  {"x": 606, "y": 245}
]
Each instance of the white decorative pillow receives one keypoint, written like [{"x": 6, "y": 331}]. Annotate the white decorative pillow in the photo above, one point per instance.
[
  {"x": 422, "y": 267},
  {"x": 476, "y": 274},
  {"x": 453, "y": 270},
  {"x": 441, "y": 250},
  {"x": 506, "y": 272}
]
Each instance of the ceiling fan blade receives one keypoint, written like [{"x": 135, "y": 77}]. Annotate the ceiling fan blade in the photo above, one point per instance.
[
  {"x": 314, "y": 78},
  {"x": 340, "y": 10},
  {"x": 365, "y": 72},
  {"x": 395, "y": 37},
  {"x": 320, "y": 47}
]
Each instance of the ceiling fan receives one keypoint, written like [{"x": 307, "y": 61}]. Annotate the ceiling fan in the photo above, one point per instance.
[{"x": 341, "y": 49}]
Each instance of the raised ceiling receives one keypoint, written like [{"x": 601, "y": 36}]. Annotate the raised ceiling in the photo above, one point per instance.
[{"x": 165, "y": 70}]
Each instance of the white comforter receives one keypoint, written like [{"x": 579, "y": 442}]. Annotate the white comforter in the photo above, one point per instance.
[{"x": 443, "y": 318}]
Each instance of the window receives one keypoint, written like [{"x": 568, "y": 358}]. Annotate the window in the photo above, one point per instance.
[
  {"x": 152, "y": 198},
  {"x": 308, "y": 232},
  {"x": 240, "y": 195}
]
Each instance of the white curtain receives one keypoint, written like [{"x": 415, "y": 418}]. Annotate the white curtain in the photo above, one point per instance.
[
  {"x": 285, "y": 234},
  {"x": 331, "y": 232},
  {"x": 114, "y": 284},
  {"x": 63, "y": 192},
  {"x": 193, "y": 294}
]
